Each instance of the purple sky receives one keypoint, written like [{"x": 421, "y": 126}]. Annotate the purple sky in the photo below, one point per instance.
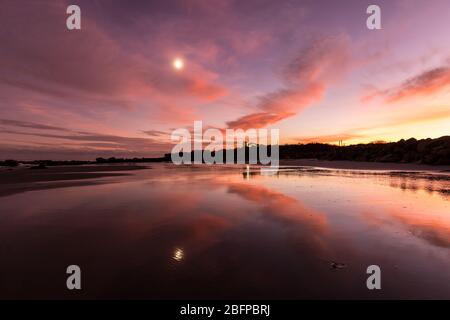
[{"x": 310, "y": 68}]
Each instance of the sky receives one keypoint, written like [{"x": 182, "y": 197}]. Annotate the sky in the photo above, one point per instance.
[{"x": 310, "y": 68}]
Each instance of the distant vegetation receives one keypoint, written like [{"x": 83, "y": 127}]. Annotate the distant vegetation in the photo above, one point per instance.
[
  {"x": 42, "y": 164},
  {"x": 9, "y": 163},
  {"x": 425, "y": 151},
  {"x": 122, "y": 160}
]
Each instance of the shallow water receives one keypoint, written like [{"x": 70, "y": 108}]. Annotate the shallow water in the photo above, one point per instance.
[{"x": 202, "y": 232}]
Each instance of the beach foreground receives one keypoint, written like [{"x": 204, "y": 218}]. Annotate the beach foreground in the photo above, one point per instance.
[
  {"x": 26, "y": 178},
  {"x": 202, "y": 232}
]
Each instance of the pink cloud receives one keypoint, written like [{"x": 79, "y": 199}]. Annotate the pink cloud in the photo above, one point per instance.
[
  {"x": 306, "y": 78},
  {"x": 425, "y": 83},
  {"x": 88, "y": 66},
  {"x": 42, "y": 140}
]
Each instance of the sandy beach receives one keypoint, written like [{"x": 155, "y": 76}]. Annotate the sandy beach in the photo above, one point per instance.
[
  {"x": 20, "y": 179},
  {"x": 23, "y": 178},
  {"x": 171, "y": 232},
  {"x": 357, "y": 165}
]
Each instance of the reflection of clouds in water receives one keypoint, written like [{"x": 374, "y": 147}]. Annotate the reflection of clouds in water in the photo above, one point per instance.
[
  {"x": 431, "y": 229},
  {"x": 206, "y": 233},
  {"x": 219, "y": 219},
  {"x": 434, "y": 231},
  {"x": 305, "y": 227},
  {"x": 279, "y": 205},
  {"x": 420, "y": 223},
  {"x": 407, "y": 181}
]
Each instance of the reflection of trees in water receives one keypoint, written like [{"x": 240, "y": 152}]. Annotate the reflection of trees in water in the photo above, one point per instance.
[
  {"x": 406, "y": 181},
  {"x": 430, "y": 185}
]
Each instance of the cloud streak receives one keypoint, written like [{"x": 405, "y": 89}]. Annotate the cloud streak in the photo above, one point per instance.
[
  {"x": 426, "y": 83},
  {"x": 305, "y": 79},
  {"x": 70, "y": 142},
  {"x": 90, "y": 67},
  {"x": 30, "y": 125}
]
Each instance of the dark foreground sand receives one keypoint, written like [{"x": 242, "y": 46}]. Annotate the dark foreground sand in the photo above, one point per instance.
[
  {"x": 356, "y": 165},
  {"x": 20, "y": 179}
]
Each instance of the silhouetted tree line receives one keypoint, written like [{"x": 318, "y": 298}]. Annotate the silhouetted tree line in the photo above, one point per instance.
[
  {"x": 426, "y": 151},
  {"x": 123, "y": 160},
  {"x": 9, "y": 163}
]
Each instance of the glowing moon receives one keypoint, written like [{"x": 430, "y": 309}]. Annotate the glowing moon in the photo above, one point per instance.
[
  {"x": 178, "y": 64},
  {"x": 178, "y": 254}
]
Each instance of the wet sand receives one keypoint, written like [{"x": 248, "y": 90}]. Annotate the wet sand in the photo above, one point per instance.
[
  {"x": 25, "y": 178},
  {"x": 209, "y": 232},
  {"x": 357, "y": 165},
  {"x": 21, "y": 179}
]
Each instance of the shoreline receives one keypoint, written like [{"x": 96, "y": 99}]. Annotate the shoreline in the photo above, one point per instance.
[
  {"x": 360, "y": 165},
  {"x": 329, "y": 164},
  {"x": 21, "y": 179}
]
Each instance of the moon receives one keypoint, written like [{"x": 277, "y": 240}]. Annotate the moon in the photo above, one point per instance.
[{"x": 178, "y": 64}]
